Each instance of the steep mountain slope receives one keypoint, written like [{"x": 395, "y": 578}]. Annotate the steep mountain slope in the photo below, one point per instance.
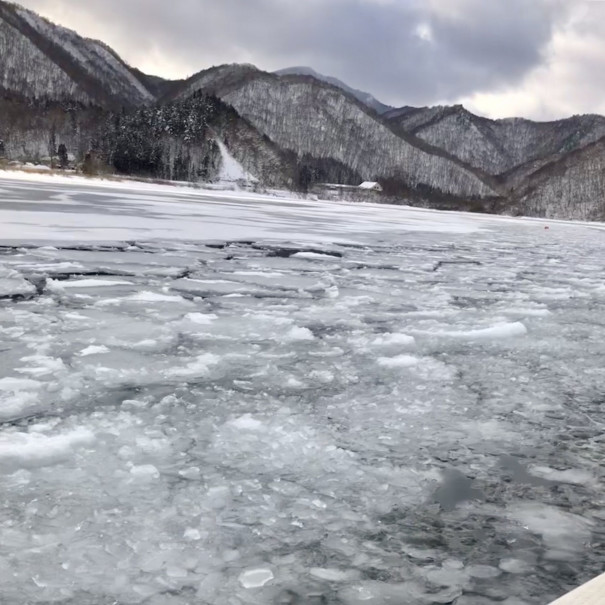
[
  {"x": 41, "y": 60},
  {"x": 571, "y": 186},
  {"x": 496, "y": 146},
  {"x": 365, "y": 97},
  {"x": 311, "y": 117}
]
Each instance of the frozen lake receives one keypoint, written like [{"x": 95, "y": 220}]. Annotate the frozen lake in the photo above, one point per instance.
[{"x": 233, "y": 399}]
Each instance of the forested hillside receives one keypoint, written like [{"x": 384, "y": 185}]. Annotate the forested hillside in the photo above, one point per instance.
[{"x": 69, "y": 96}]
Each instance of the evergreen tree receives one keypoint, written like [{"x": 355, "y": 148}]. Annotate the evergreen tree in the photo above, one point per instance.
[{"x": 63, "y": 157}]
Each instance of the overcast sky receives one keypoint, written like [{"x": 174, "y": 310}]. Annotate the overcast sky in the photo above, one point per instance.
[{"x": 536, "y": 58}]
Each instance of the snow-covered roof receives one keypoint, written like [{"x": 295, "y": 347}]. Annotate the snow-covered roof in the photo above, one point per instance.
[{"x": 369, "y": 185}]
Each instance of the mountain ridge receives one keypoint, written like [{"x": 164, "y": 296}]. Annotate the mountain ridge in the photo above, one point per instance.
[
  {"x": 365, "y": 97},
  {"x": 294, "y": 127},
  {"x": 64, "y": 63},
  {"x": 497, "y": 146},
  {"x": 317, "y": 105}
]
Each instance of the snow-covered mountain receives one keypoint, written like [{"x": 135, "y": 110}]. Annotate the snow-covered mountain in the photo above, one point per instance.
[
  {"x": 569, "y": 186},
  {"x": 293, "y": 128},
  {"x": 496, "y": 146},
  {"x": 365, "y": 97},
  {"x": 309, "y": 116},
  {"x": 41, "y": 60}
]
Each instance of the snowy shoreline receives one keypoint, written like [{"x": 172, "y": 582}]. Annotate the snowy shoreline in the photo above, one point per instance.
[{"x": 154, "y": 199}]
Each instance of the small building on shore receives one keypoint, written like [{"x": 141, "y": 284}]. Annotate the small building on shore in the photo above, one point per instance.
[{"x": 371, "y": 186}]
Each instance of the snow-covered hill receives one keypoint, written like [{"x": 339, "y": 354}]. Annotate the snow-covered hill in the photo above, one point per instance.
[
  {"x": 496, "y": 146},
  {"x": 308, "y": 116},
  {"x": 42, "y": 60},
  {"x": 569, "y": 186},
  {"x": 293, "y": 128}
]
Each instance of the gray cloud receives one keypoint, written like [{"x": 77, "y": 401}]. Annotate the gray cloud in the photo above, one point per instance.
[{"x": 403, "y": 51}]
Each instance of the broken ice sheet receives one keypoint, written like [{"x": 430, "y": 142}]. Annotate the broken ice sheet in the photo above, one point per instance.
[{"x": 227, "y": 425}]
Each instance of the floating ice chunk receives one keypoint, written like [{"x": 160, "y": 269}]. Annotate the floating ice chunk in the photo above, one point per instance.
[
  {"x": 93, "y": 350},
  {"x": 147, "y": 344},
  {"x": 152, "y": 446},
  {"x": 176, "y": 572},
  {"x": 246, "y": 423},
  {"x": 501, "y": 330},
  {"x": 401, "y": 361},
  {"x": 14, "y": 385},
  {"x": 92, "y": 283},
  {"x": 153, "y": 297},
  {"x": 203, "y": 319},
  {"x": 572, "y": 476},
  {"x": 314, "y": 256},
  {"x": 126, "y": 452},
  {"x": 199, "y": 366},
  {"x": 218, "y": 497},
  {"x": 485, "y": 572},
  {"x": 296, "y": 333},
  {"x": 255, "y": 578},
  {"x": 564, "y": 534},
  {"x": 453, "y": 564},
  {"x": 192, "y": 534},
  {"x": 18, "y": 478},
  {"x": 191, "y": 473},
  {"x": 44, "y": 365},
  {"x": 15, "y": 404},
  {"x": 330, "y": 575},
  {"x": 152, "y": 561},
  {"x": 322, "y": 376},
  {"x": 145, "y": 472},
  {"x": 395, "y": 339},
  {"x": 15, "y": 286},
  {"x": 447, "y": 576},
  {"x": 34, "y": 449},
  {"x": 515, "y": 566},
  {"x": 210, "y": 585}
]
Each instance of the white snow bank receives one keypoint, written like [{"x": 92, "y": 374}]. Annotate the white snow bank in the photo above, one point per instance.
[
  {"x": 35, "y": 167},
  {"x": 231, "y": 170}
]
